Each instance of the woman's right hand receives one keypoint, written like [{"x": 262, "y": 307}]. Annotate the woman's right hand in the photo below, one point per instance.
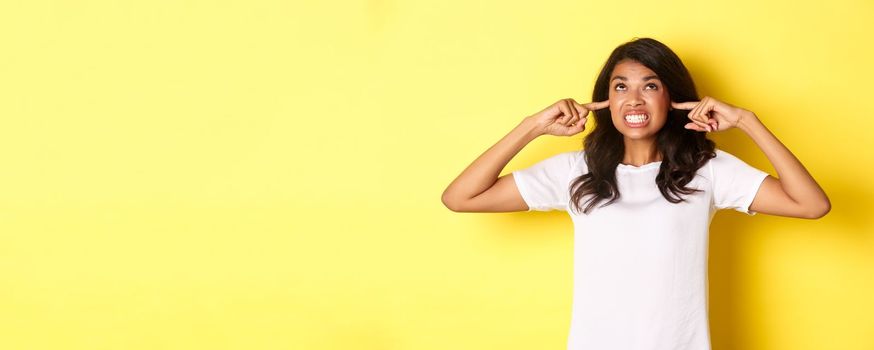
[{"x": 565, "y": 117}]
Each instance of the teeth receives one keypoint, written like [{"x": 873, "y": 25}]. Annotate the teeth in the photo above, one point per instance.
[{"x": 635, "y": 118}]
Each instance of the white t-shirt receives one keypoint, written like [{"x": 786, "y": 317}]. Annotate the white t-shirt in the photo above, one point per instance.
[{"x": 640, "y": 263}]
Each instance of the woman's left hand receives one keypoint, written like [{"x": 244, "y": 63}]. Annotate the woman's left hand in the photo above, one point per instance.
[{"x": 710, "y": 114}]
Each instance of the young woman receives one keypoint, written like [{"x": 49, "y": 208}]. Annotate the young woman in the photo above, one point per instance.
[{"x": 641, "y": 194}]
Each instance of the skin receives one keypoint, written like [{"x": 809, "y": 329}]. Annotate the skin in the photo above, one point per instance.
[
  {"x": 479, "y": 188},
  {"x": 794, "y": 193},
  {"x": 633, "y": 86}
]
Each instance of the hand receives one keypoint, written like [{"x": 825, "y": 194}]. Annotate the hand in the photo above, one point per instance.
[
  {"x": 710, "y": 114},
  {"x": 565, "y": 117}
]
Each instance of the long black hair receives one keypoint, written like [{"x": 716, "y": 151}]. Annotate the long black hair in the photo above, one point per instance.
[{"x": 683, "y": 152}]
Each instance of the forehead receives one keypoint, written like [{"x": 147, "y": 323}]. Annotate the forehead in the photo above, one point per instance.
[{"x": 631, "y": 70}]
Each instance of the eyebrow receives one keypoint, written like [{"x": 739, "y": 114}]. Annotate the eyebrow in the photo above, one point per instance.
[{"x": 650, "y": 77}]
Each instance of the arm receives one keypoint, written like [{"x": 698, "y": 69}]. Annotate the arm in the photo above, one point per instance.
[
  {"x": 479, "y": 189},
  {"x": 795, "y": 193}
]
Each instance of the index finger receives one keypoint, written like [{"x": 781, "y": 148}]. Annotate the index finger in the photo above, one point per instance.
[
  {"x": 684, "y": 105},
  {"x": 597, "y": 105}
]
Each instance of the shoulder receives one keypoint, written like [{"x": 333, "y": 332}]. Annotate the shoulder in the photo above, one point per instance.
[
  {"x": 724, "y": 160},
  {"x": 731, "y": 168},
  {"x": 576, "y": 160},
  {"x": 721, "y": 162},
  {"x": 566, "y": 160},
  {"x": 722, "y": 154},
  {"x": 558, "y": 166},
  {"x": 574, "y": 156}
]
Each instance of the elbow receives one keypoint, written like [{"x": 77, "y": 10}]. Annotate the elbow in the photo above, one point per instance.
[
  {"x": 449, "y": 203},
  {"x": 820, "y": 210}
]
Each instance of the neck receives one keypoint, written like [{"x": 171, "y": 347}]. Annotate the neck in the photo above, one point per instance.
[{"x": 640, "y": 152}]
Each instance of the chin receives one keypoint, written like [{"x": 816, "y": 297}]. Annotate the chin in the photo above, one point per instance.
[{"x": 638, "y": 136}]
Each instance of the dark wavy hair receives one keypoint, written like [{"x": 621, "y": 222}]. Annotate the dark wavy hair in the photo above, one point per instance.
[{"x": 683, "y": 152}]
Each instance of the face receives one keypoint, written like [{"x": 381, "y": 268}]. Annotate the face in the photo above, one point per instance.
[{"x": 638, "y": 100}]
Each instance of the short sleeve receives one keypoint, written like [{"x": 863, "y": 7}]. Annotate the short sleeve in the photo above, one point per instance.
[
  {"x": 545, "y": 185},
  {"x": 735, "y": 183}
]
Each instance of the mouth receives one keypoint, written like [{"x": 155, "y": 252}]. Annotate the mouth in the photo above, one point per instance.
[{"x": 636, "y": 119}]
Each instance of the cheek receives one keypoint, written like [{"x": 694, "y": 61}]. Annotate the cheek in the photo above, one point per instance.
[
  {"x": 665, "y": 97},
  {"x": 659, "y": 98}
]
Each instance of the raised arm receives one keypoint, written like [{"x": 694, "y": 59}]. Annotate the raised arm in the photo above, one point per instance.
[
  {"x": 795, "y": 193},
  {"x": 479, "y": 189}
]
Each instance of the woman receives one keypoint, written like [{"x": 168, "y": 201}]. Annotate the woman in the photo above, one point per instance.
[{"x": 641, "y": 193}]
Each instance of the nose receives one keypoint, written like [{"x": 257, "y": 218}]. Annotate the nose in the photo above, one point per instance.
[{"x": 634, "y": 99}]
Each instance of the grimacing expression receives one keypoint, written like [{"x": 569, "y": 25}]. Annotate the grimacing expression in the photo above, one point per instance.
[{"x": 639, "y": 101}]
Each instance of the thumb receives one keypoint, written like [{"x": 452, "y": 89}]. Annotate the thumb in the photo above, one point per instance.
[{"x": 578, "y": 127}]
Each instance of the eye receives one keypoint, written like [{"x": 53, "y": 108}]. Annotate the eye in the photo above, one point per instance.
[{"x": 621, "y": 87}]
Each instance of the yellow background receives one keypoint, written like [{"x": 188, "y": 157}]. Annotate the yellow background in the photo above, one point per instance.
[{"x": 267, "y": 174}]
